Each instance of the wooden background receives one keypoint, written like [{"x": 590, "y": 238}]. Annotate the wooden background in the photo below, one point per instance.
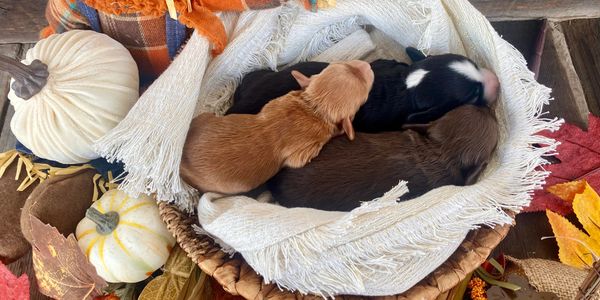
[{"x": 570, "y": 64}]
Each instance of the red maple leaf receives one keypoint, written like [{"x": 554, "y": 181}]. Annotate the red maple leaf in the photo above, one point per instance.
[
  {"x": 579, "y": 156},
  {"x": 11, "y": 287}
]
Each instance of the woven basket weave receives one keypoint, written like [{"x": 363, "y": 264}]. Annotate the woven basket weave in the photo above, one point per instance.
[{"x": 238, "y": 278}]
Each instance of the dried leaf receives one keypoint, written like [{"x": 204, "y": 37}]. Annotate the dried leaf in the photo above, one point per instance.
[
  {"x": 197, "y": 287},
  {"x": 458, "y": 292},
  {"x": 11, "y": 287},
  {"x": 171, "y": 283},
  {"x": 567, "y": 191},
  {"x": 587, "y": 208},
  {"x": 579, "y": 155},
  {"x": 61, "y": 268},
  {"x": 121, "y": 291},
  {"x": 575, "y": 248},
  {"x": 108, "y": 297},
  {"x": 164, "y": 286}
]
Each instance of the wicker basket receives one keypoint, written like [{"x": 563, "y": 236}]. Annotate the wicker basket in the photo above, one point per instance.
[{"x": 238, "y": 278}]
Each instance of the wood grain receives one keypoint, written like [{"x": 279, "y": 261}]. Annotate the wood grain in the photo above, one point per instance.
[
  {"x": 503, "y": 10},
  {"x": 21, "y": 20},
  {"x": 7, "y": 141},
  {"x": 583, "y": 40},
  {"x": 521, "y": 34},
  {"x": 557, "y": 72},
  {"x": 524, "y": 239},
  {"x": 13, "y": 51}
]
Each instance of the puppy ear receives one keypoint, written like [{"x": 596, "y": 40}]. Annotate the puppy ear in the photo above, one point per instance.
[
  {"x": 473, "y": 173},
  {"x": 419, "y": 128},
  {"x": 348, "y": 128},
  {"x": 414, "y": 54},
  {"x": 302, "y": 80}
]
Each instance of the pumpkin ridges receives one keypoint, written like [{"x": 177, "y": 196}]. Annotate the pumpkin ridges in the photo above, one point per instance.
[
  {"x": 100, "y": 208},
  {"x": 89, "y": 231},
  {"x": 88, "y": 250},
  {"x": 120, "y": 244},
  {"x": 144, "y": 228},
  {"x": 134, "y": 257},
  {"x": 134, "y": 207},
  {"x": 101, "y": 256},
  {"x": 123, "y": 202},
  {"x": 112, "y": 201},
  {"x": 54, "y": 137},
  {"x": 137, "y": 246}
]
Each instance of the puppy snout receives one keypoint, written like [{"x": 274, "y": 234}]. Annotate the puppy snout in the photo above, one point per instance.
[{"x": 491, "y": 85}]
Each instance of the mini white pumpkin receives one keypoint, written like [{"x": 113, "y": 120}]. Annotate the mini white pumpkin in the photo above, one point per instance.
[
  {"x": 90, "y": 84},
  {"x": 124, "y": 237}
]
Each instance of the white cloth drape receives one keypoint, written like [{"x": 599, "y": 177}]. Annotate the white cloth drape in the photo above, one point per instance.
[{"x": 383, "y": 247}]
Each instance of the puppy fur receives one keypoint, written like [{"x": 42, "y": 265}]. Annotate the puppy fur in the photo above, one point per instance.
[
  {"x": 236, "y": 153},
  {"x": 452, "y": 150},
  {"x": 419, "y": 93}
]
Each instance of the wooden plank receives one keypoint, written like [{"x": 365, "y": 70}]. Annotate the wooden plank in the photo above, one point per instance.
[
  {"x": 583, "y": 40},
  {"x": 504, "y": 10},
  {"x": 524, "y": 239},
  {"x": 21, "y": 21},
  {"x": 521, "y": 34},
  {"x": 7, "y": 141},
  {"x": 6, "y": 137},
  {"x": 557, "y": 72}
]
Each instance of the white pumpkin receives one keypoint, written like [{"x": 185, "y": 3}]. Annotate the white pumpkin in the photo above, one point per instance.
[
  {"x": 92, "y": 84},
  {"x": 124, "y": 237}
]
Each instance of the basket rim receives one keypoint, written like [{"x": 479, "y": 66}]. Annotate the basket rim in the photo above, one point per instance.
[{"x": 238, "y": 278}]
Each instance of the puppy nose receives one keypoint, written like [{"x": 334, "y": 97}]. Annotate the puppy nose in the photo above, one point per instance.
[{"x": 491, "y": 85}]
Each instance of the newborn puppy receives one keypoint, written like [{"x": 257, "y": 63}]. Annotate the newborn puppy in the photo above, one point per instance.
[
  {"x": 236, "y": 153},
  {"x": 452, "y": 150},
  {"x": 419, "y": 93}
]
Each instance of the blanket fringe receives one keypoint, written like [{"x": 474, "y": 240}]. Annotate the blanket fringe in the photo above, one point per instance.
[
  {"x": 149, "y": 141},
  {"x": 222, "y": 78}
]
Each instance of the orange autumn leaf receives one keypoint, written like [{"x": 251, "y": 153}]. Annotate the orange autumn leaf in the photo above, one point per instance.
[
  {"x": 587, "y": 208},
  {"x": 567, "y": 191},
  {"x": 574, "y": 246}
]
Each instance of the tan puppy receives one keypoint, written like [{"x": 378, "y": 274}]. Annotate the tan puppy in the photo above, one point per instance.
[{"x": 237, "y": 153}]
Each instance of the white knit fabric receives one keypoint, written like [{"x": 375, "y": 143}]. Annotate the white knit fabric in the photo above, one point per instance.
[{"x": 383, "y": 247}]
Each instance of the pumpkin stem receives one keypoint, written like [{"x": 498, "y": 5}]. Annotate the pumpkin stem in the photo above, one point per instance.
[
  {"x": 29, "y": 79},
  {"x": 105, "y": 223}
]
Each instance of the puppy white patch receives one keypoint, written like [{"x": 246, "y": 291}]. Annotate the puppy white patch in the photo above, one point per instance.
[
  {"x": 467, "y": 69},
  {"x": 413, "y": 79}
]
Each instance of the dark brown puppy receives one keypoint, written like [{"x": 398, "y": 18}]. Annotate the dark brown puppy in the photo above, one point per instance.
[{"x": 452, "y": 150}]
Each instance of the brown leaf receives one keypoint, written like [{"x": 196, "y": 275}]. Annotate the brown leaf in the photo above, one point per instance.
[{"x": 61, "y": 268}]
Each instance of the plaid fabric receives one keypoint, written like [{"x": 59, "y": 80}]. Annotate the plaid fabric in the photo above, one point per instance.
[
  {"x": 63, "y": 15},
  {"x": 144, "y": 36},
  {"x": 152, "y": 37}
]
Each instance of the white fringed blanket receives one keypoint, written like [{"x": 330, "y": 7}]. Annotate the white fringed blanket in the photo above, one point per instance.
[{"x": 382, "y": 247}]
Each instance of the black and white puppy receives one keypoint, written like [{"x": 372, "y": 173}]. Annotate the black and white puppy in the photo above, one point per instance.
[{"x": 401, "y": 93}]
